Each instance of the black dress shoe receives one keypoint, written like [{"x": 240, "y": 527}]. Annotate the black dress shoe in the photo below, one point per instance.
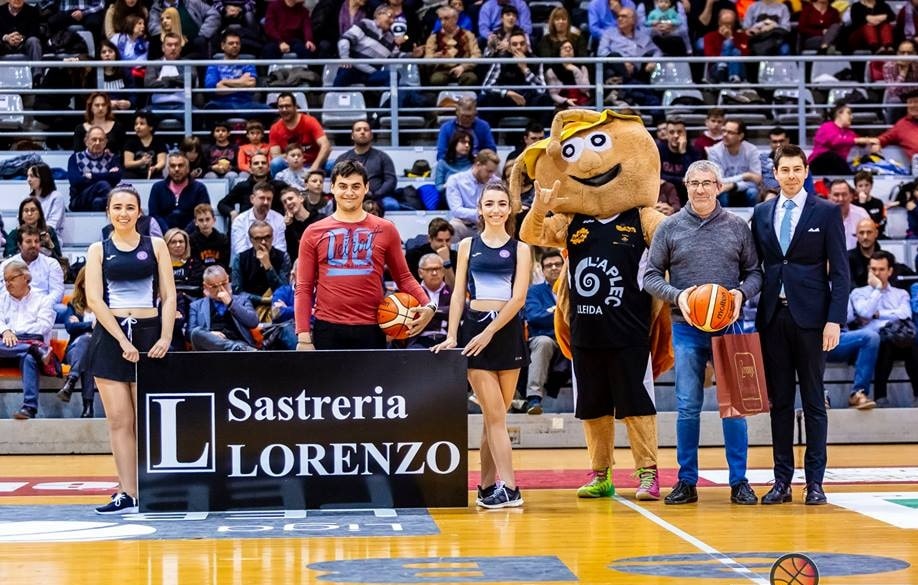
[
  {"x": 742, "y": 493},
  {"x": 87, "y": 410},
  {"x": 814, "y": 495},
  {"x": 780, "y": 493},
  {"x": 67, "y": 389},
  {"x": 682, "y": 493}
]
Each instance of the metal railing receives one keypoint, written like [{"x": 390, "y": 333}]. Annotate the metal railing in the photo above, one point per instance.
[{"x": 804, "y": 114}]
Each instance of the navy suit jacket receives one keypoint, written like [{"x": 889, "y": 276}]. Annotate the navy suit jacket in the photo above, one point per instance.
[
  {"x": 243, "y": 315},
  {"x": 814, "y": 271}
]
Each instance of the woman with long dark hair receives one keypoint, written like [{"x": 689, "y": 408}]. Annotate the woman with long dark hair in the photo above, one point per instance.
[
  {"x": 562, "y": 77},
  {"x": 493, "y": 268},
  {"x": 115, "y": 77},
  {"x": 44, "y": 190},
  {"x": 458, "y": 158},
  {"x": 125, "y": 276},
  {"x": 31, "y": 214},
  {"x": 99, "y": 113}
]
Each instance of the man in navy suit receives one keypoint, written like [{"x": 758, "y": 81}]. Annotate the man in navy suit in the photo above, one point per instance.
[
  {"x": 801, "y": 241},
  {"x": 221, "y": 321}
]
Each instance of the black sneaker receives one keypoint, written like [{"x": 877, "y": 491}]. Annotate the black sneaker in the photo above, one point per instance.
[
  {"x": 25, "y": 413},
  {"x": 502, "y": 497},
  {"x": 534, "y": 405},
  {"x": 683, "y": 493},
  {"x": 484, "y": 492},
  {"x": 742, "y": 493},
  {"x": 121, "y": 504}
]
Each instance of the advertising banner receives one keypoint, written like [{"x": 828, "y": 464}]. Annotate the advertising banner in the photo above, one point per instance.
[{"x": 302, "y": 430}]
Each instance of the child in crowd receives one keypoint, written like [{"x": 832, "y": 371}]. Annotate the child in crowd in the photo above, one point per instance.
[
  {"x": 713, "y": 130},
  {"x": 191, "y": 146},
  {"x": 863, "y": 184},
  {"x": 144, "y": 154},
  {"x": 208, "y": 245},
  {"x": 295, "y": 173},
  {"x": 221, "y": 154},
  {"x": 663, "y": 13},
  {"x": 255, "y": 134},
  {"x": 318, "y": 202}
]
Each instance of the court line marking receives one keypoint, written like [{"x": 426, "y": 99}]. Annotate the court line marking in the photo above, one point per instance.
[{"x": 699, "y": 544}]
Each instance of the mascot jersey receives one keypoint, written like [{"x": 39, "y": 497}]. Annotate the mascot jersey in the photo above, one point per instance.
[{"x": 609, "y": 309}]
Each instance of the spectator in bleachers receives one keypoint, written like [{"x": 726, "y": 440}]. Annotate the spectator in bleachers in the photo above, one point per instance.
[
  {"x": 539, "y": 313},
  {"x": 406, "y": 28},
  {"x": 871, "y": 26},
  {"x": 294, "y": 175},
  {"x": 465, "y": 20},
  {"x": 288, "y": 28},
  {"x": 602, "y": 15},
  {"x": 491, "y": 14},
  {"x": 79, "y": 321},
  {"x": 44, "y": 190},
  {"x": 170, "y": 23},
  {"x": 528, "y": 76},
  {"x": 115, "y": 20},
  {"x": 228, "y": 76},
  {"x": 466, "y": 119},
  {"x": 627, "y": 40},
  {"x": 20, "y": 33},
  {"x": 668, "y": 201},
  {"x": 897, "y": 75},
  {"x": 863, "y": 187},
  {"x": 439, "y": 235},
  {"x": 191, "y": 147},
  {"x": 841, "y": 194},
  {"x": 452, "y": 42},
  {"x": 741, "y": 165},
  {"x": 239, "y": 197},
  {"x": 379, "y": 166},
  {"x": 351, "y": 13},
  {"x": 99, "y": 113},
  {"x": 32, "y": 215},
  {"x": 498, "y": 41},
  {"x": 726, "y": 41},
  {"x": 676, "y": 154},
  {"x": 92, "y": 172},
  {"x": 167, "y": 74},
  {"x": 209, "y": 246},
  {"x": 440, "y": 292},
  {"x": 713, "y": 131},
  {"x": 132, "y": 44},
  {"x": 259, "y": 211},
  {"x": 907, "y": 22},
  {"x": 317, "y": 200},
  {"x": 173, "y": 199},
  {"x": 767, "y": 23},
  {"x": 221, "y": 321},
  {"x": 200, "y": 23},
  {"x": 833, "y": 142},
  {"x": 114, "y": 77},
  {"x": 904, "y": 132},
  {"x": 819, "y": 26},
  {"x": 777, "y": 137},
  {"x": 47, "y": 277},
  {"x": 221, "y": 154},
  {"x": 860, "y": 346},
  {"x": 144, "y": 153},
  {"x": 88, "y": 14},
  {"x": 859, "y": 256},
  {"x": 560, "y": 78},
  {"x": 240, "y": 16},
  {"x": 704, "y": 17},
  {"x": 297, "y": 218},
  {"x": 876, "y": 305},
  {"x": 458, "y": 158},
  {"x": 368, "y": 39},
  {"x": 25, "y": 314},
  {"x": 187, "y": 276},
  {"x": 665, "y": 24},
  {"x": 298, "y": 127},
  {"x": 533, "y": 132},
  {"x": 260, "y": 269},
  {"x": 463, "y": 190},
  {"x": 254, "y": 135},
  {"x": 559, "y": 31},
  {"x": 324, "y": 16}
]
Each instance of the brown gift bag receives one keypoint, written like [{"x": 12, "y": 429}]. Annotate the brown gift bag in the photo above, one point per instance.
[{"x": 740, "y": 375}]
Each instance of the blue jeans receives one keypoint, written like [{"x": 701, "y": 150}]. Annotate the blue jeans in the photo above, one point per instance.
[
  {"x": 863, "y": 346},
  {"x": 75, "y": 355},
  {"x": 693, "y": 350},
  {"x": 28, "y": 365}
]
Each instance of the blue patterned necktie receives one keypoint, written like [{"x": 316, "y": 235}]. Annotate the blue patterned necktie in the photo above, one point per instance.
[{"x": 785, "y": 232}]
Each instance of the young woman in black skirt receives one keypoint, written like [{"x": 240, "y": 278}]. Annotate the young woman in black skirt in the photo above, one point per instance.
[
  {"x": 126, "y": 275},
  {"x": 493, "y": 268}
]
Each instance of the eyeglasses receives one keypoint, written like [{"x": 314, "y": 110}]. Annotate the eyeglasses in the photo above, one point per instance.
[
  {"x": 706, "y": 184},
  {"x": 261, "y": 238},
  {"x": 432, "y": 269},
  {"x": 217, "y": 285},
  {"x": 553, "y": 265},
  {"x": 11, "y": 279}
]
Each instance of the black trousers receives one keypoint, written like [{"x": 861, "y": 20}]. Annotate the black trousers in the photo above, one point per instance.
[
  {"x": 792, "y": 353},
  {"x": 327, "y": 335},
  {"x": 885, "y": 358}
]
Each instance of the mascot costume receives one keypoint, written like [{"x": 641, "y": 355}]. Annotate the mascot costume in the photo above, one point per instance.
[{"x": 597, "y": 178}]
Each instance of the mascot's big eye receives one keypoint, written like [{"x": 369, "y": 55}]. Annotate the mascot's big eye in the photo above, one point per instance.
[
  {"x": 599, "y": 141},
  {"x": 571, "y": 149}
]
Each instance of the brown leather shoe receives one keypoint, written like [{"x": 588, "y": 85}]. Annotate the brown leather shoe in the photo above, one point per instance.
[{"x": 860, "y": 401}]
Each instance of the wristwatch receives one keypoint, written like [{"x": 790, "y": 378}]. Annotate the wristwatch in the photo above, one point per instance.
[
  {"x": 447, "y": 264},
  {"x": 431, "y": 306}
]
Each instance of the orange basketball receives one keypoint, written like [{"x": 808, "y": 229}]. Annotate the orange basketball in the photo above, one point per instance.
[
  {"x": 794, "y": 569},
  {"x": 710, "y": 307},
  {"x": 393, "y": 315}
]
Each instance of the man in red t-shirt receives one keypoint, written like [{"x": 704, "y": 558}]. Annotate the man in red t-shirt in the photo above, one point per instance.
[
  {"x": 340, "y": 268},
  {"x": 297, "y": 127}
]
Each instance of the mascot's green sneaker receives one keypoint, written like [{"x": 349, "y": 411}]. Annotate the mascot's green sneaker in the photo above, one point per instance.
[{"x": 598, "y": 487}]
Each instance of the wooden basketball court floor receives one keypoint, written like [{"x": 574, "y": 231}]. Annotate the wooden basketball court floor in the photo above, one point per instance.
[{"x": 867, "y": 534}]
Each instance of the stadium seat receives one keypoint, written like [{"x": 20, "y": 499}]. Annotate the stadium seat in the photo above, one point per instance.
[
  {"x": 778, "y": 72},
  {"x": 11, "y": 117},
  {"x": 672, "y": 73},
  {"x": 341, "y": 109},
  {"x": 896, "y": 223},
  {"x": 686, "y": 104},
  {"x": 329, "y": 72},
  {"x": 859, "y": 115},
  {"x": 405, "y": 120},
  {"x": 785, "y": 107}
]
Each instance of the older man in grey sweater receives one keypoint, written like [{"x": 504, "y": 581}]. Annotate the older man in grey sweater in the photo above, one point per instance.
[{"x": 701, "y": 244}]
